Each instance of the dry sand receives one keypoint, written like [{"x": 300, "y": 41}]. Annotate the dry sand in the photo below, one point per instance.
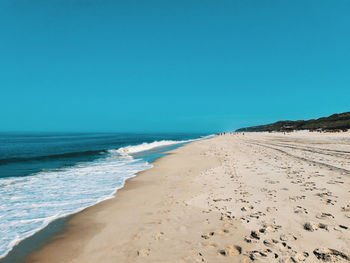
[{"x": 234, "y": 198}]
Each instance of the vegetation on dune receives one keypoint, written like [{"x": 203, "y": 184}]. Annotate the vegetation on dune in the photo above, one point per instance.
[{"x": 332, "y": 123}]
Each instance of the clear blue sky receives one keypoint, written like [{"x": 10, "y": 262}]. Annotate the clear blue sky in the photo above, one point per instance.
[{"x": 200, "y": 65}]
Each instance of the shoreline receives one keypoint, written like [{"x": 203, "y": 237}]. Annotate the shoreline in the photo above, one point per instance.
[
  {"x": 36, "y": 241},
  {"x": 259, "y": 196},
  {"x": 78, "y": 228}
]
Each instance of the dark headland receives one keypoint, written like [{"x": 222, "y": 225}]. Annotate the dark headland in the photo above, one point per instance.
[{"x": 335, "y": 122}]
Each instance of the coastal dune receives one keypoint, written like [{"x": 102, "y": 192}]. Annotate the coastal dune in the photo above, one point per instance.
[{"x": 262, "y": 197}]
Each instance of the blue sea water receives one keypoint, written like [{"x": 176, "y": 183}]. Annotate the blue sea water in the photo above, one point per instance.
[{"x": 44, "y": 176}]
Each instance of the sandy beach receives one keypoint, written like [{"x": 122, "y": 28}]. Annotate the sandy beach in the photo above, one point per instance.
[{"x": 234, "y": 198}]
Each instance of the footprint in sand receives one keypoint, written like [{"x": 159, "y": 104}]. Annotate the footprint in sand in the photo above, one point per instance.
[
  {"x": 257, "y": 215},
  {"x": 269, "y": 228},
  {"x": 208, "y": 235},
  {"x": 270, "y": 242},
  {"x": 260, "y": 254},
  {"x": 263, "y": 189},
  {"x": 226, "y": 217},
  {"x": 301, "y": 256},
  {"x": 223, "y": 231},
  {"x": 287, "y": 237},
  {"x": 269, "y": 181},
  {"x": 255, "y": 235},
  {"x": 298, "y": 181},
  {"x": 230, "y": 251},
  {"x": 159, "y": 236},
  {"x": 340, "y": 228},
  {"x": 222, "y": 199},
  {"x": 145, "y": 252},
  {"x": 197, "y": 257},
  {"x": 313, "y": 227},
  {"x": 309, "y": 186},
  {"x": 247, "y": 208},
  {"x": 330, "y": 201},
  {"x": 345, "y": 208},
  {"x": 271, "y": 209},
  {"x": 326, "y": 197},
  {"x": 300, "y": 210},
  {"x": 330, "y": 255},
  {"x": 324, "y": 194},
  {"x": 324, "y": 215},
  {"x": 297, "y": 197}
]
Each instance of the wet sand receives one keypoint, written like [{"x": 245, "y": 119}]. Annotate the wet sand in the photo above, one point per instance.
[{"x": 259, "y": 197}]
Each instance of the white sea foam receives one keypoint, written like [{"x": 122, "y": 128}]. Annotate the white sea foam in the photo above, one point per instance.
[
  {"x": 147, "y": 146},
  {"x": 125, "y": 151},
  {"x": 28, "y": 204}
]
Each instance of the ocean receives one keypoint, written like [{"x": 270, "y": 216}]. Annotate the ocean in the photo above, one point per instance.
[{"x": 45, "y": 176}]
